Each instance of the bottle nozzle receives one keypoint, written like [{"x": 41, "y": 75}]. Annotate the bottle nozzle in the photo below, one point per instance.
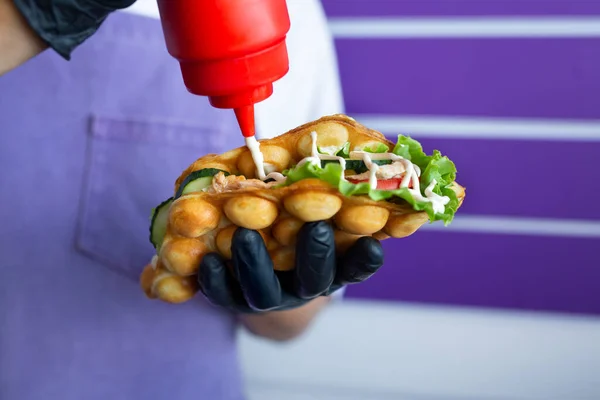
[{"x": 245, "y": 118}]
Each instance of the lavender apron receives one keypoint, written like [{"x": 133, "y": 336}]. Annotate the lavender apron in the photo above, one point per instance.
[{"x": 87, "y": 148}]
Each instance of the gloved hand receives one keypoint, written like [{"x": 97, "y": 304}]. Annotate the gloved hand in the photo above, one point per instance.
[
  {"x": 255, "y": 287},
  {"x": 65, "y": 24}
]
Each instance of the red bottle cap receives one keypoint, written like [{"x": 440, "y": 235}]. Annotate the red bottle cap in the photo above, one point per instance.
[{"x": 229, "y": 50}]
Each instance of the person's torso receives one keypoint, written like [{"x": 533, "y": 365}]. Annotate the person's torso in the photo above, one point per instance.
[{"x": 87, "y": 148}]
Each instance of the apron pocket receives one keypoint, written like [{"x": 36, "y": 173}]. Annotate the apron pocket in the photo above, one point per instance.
[{"x": 132, "y": 167}]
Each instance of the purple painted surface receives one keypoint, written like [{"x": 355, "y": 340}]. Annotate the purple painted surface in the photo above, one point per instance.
[
  {"x": 520, "y": 78},
  {"x": 519, "y": 178},
  {"x": 551, "y": 78},
  {"x": 455, "y": 7},
  {"x": 516, "y": 272}
]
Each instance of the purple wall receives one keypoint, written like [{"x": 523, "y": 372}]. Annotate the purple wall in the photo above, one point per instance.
[
  {"x": 525, "y": 78},
  {"x": 543, "y": 78}
]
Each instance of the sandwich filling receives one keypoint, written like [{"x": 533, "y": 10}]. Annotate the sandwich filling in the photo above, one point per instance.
[
  {"x": 376, "y": 172},
  {"x": 404, "y": 175}
]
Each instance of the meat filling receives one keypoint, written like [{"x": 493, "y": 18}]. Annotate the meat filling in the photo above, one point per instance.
[
  {"x": 393, "y": 170},
  {"x": 231, "y": 183}
]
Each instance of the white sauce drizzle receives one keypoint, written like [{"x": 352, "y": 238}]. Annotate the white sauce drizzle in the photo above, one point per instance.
[
  {"x": 411, "y": 175},
  {"x": 330, "y": 150},
  {"x": 259, "y": 161},
  {"x": 316, "y": 157},
  {"x": 373, "y": 168}
]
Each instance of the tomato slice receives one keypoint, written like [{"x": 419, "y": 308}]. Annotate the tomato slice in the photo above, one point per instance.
[{"x": 382, "y": 184}]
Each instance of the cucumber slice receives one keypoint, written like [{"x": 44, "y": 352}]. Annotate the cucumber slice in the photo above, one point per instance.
[
  {"x": 197, "y": 180},
  {"x": 357, "y": 166},
  {"x": 196, "y": 185},
  {"x": 158, "y": 226}
]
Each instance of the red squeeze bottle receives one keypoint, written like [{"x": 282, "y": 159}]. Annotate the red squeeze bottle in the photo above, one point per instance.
[{"x": 229, "y": 50}]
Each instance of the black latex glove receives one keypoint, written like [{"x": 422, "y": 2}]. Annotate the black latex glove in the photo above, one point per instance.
[
  {"x": 256, "y": 287},
  {"x": 65, "y": 24}
]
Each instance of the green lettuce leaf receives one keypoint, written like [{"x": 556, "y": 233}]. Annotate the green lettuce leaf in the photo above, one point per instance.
[
  {"x": 432, "y": 167},
  {"x": 379, "y": 148},
  {"x": 344, "y": 151}
]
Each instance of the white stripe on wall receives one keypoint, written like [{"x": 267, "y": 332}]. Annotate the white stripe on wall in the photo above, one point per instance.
[
  {"x": 488, "y": 128},
  {"x": 464, "y": 27},
  {"x": 520, "y": 226},
  {"x": 361, "y": 350},
  {"x": 405, "y": 27}
]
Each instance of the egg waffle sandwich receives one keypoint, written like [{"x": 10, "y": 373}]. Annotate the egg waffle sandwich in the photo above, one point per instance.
[{"x": 331, "y": 169}]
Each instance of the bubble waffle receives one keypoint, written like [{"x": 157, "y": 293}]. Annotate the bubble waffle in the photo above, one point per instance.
[{"x": 198, "y": 221}]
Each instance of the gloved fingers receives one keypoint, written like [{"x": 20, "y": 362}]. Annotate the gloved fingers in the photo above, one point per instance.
[
  {"x": 289, "y": 299},
  {"x": 217, "y": 284},
  {"x": 66, "y": 24},
  {"x": 254, "y": 270},
  {"x": 360, "y": 262},
  {"x": 315, "y": 260}
]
